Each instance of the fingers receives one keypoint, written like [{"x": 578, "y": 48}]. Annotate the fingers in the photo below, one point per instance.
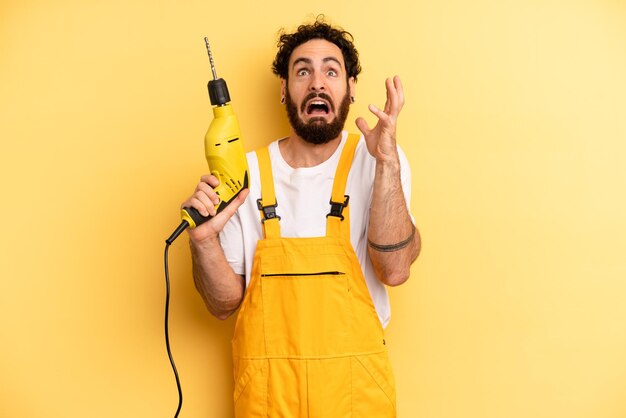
[
  {"x": 384, "y": 132},
  {"x": 393, "y": 103},
  {"x": 389, "y": 97},
  {"x": 385, "y": 119},
  {"x": 382, "y": 116},
  {"x": 204, "y": 199},
  {"x": 399, "y": 89},
  {"x": 395, "y": 96},
  {"x": 210, "y": 179}
]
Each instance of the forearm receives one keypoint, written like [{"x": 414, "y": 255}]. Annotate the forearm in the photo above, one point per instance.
[
  {"x": 220, "y": 287},
  {"x": 390, "y": 224}
]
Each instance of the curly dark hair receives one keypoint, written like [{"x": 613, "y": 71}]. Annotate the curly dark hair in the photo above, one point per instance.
[{"x": 317, "y": 30}]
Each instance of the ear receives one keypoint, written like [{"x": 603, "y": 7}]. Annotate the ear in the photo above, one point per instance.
[
  {"x": 283, "y": 87},
  {"x": 351, "y": 87}
]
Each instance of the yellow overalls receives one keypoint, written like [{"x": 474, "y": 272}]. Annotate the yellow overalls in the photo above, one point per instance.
[{"x": 308, "y": 341}]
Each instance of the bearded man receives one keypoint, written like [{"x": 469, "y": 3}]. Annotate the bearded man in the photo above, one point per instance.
[{"x": 305, "y": 253}]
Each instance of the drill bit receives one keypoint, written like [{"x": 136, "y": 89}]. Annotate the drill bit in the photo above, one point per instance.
[{"x": 208, "y": 49}]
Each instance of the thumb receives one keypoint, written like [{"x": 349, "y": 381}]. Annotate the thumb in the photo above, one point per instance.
[
  {"x": 222, "y": 218},
  {"x": 214, "y": 226},
  {"x": 234, "y": 205},
  {"x": 362, "y": 125}
]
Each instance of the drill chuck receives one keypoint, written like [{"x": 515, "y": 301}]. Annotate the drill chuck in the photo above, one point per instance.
[{"x": 218, "y": 92}]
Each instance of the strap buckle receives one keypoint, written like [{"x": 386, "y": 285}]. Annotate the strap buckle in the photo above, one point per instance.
[
  {"x": 269, "y": 211},
  {"x": 336, "y": 208}
]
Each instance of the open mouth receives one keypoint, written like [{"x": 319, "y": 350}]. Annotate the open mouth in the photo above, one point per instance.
[{"x": 317, "y": 107}]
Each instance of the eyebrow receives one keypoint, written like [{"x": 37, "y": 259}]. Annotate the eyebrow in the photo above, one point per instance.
[{"x": 309, "y": 61}]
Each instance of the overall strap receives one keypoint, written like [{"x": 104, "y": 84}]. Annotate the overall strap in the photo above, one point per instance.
[
  {"x": 267, "y": 203},
  {"x": 338, "y": 220}
]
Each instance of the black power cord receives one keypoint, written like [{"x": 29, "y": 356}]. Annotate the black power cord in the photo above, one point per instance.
[{"x": 167, "y": 333}]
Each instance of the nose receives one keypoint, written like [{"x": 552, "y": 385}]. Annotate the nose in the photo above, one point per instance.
[{"x": 317, "y": 82}]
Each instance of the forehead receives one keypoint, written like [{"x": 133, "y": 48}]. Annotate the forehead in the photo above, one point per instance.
[{"x": 316, "y": 50}]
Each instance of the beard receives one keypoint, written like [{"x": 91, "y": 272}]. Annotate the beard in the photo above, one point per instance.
[{"x": 317, "y": 131}]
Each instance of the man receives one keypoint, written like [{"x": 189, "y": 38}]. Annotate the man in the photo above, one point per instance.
[{"x": 309, "y": 275}]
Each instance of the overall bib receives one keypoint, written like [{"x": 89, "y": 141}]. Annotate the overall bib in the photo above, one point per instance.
[{"x": 308, "y": 341}]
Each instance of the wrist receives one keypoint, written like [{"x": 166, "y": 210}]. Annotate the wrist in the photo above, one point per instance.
[
  {"x": 387, "y": 154},
  {"x": 389, "y": 165},
  {"x": 203, "y": 243}
]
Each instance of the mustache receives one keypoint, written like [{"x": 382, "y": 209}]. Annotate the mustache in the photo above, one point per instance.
[{"x": 321, "y": 95}]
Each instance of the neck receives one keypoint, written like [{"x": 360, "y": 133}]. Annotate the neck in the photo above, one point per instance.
[{"x": 299, "y": 153}]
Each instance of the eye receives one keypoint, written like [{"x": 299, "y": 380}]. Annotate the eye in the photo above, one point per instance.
[
  {"x": 332, "y": 73},
  {"x": 302, "y": 72}
]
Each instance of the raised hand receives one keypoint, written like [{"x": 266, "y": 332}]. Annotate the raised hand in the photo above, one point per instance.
[{"x": 381, "y": 140}]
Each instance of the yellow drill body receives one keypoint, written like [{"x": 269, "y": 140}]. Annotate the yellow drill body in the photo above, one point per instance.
[
  {"x": 224, "y": 152},
  {"x": 226, "y": 158}
]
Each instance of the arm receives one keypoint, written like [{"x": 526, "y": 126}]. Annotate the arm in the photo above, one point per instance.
[
  {"x": 394, "y": 243},
  {"x": 220, "y": 287}
]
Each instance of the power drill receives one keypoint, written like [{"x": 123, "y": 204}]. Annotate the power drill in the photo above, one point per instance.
[{"x": 224, "y": 152}]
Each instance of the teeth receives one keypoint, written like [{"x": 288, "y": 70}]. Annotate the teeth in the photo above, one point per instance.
[{"x": 318, "y": 102}]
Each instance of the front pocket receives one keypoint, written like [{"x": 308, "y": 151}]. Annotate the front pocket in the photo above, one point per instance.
[
  {"x": 250, "y": 394},
  {"x": 373, "y": 388},
  {"x": 307, "y": 314}
]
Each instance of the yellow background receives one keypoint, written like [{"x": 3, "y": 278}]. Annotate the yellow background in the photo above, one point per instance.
[{"x": 515, "y": 128}]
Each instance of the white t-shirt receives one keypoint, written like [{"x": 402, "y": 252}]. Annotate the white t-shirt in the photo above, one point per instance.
[{"x": 303, "y": 196}]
